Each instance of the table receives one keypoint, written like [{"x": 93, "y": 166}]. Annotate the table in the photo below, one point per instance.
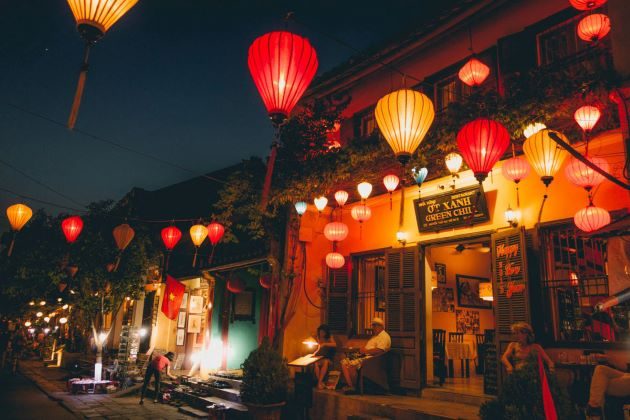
[{"x": 459, "y": 351}]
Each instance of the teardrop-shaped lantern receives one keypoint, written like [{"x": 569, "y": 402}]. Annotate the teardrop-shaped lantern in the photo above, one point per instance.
[
  {"x": 123, "y": 234},
  {"x": 474, "y": 72},
  {"x": 419, "y": 175},
  {"x": 587, "y": 4},
  {"x": 341, "y": 197},
  {"x": 453, "y": 162},
  {"x": 593, "y": 28},
  {"x": 544, "y": 154},
  {"x": 591, "y": 218},
  {"x": 171, "y": 236},
  {"x": 320, "y": 203},
  {"x": 336, "y": 231},
  {"x": 235, "y": 285},
  {"x": 300, "y": 208},
  {"x": 587, "y": 116},
  {"x": 391, "y": 182},
  {"x": 404, "y": 118},
  {"x": 515, "y": 169},
  {"x": 582, "y": 176},
  {"x": 482, "y": 142},
  {"x": 215, "y": 232},
  {"x": 282, "y": 65},
  {"x": 361, "y": 213},
  {"x": 19, "y": 215},
  {"x": 198, "y": 234},
  {"x": 72, "y": 227},
  {"x": 335, "y": 260},
  {"x": 365, "y": 189}
]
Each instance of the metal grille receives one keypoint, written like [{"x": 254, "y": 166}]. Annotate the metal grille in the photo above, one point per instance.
[{"x": 369, "y": 299}]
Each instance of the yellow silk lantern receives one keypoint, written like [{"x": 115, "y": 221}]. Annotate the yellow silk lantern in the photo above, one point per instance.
[
  {"x": 404, "y": 118},
  {"x": 198, "y": 234},
  {"x": 18, "y": 215},
  {"x": 544, "y": 154}
]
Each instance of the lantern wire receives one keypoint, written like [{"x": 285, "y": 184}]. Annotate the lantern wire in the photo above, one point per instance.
[{"x": 48, "y": 203}]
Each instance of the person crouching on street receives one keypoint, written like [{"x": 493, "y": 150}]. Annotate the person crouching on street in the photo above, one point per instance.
[{"x": 155, "y": 368}]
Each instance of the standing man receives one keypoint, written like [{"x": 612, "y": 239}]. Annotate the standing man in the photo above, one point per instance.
[
  {"x": 379, "y": 343},
  {"x": 155, "y": 368}
]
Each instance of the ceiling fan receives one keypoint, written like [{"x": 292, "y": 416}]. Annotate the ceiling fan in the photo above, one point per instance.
[{"x": 478, "y": 247}]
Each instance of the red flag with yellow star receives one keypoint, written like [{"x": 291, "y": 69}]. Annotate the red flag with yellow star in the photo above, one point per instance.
[{"x": 173, "y": 296}]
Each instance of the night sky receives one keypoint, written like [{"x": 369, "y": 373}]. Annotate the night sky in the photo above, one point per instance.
[{"x": 169, "y": 79}]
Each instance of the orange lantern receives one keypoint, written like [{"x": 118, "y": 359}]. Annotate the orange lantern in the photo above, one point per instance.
[
  {"x": 591, "y": 218},
  {"x": 582, "y": 176},
  {"x": 18, "y": 215},
  {"x": 336, "y": 231},
  {"x": 587, "y": 4},
  {"x": 335, "y": 260},
  {"x": 198, "y": 234},
  {"x": 587, "y": 116},
  {"x": 123, "y": 234},
  {"x": 474, "y": 72},
  {"x": 341, "y": 197},
  {"x": 545, "y": 156},
  {"x": 391, "y": 182},
  {"x": 593, "y": 27}
]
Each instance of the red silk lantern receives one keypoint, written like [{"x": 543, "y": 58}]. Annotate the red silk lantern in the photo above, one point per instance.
[
  {"x": 123, "y": 234},
  {"x": 482, "y": 142},
  {"x": 336, "y": 231},
  {"x": 72, "y": 227},
  {"x": 515, "y": 169},
  {"x": 265, "y": 281},
  {"x": 235, "y": 285},
  {"x": 474, "y": 72},
  {"x": 582, "y": 176},
  {"x": 335, "y": 260},
  {"x": 591, "y": 218},
  {"x": 593, "y": 27},
  {"x": 170, "y": 236},
  {"x": 215, "y": 232},
  {"x": 282, "y": 65},
  {"x": 587, "y": 4},
  {"x": 587, "y": 116},
  {"x": 341, "y": 197}
]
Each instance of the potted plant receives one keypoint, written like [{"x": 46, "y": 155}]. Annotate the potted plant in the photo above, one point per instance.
[{"x": 265, "y": 382}]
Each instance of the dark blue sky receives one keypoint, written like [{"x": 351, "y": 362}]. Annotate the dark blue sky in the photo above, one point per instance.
[{"x": 170, "y": 79}]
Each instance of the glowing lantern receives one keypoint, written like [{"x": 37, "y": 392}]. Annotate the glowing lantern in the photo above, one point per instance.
[
  {"x": 391, "y": 182},
  {"x": 215, "y": 232},
  {"x": 474, "y": 72},
  {"x": 63, "y": 320},
  {"x": 582, "y": 176},
  {"x": 265, "y": 281},
  {"x": 482, "y": 142},
  {"x": 18, "y": 215},
  {"x": 341, "y": 197},
  {"x": 300, "y": 207},
  {"x": 171, "y": 236},
  {"x": 27, "y": 324},
  {"x": 404, "y": 117},
  {"x": 533, "y": 128},
  {"x": 453, "y": 162},
  {"x": 361, "y": 213},
  {"x": 72, "y": 227},
  {"x": 511, "y": 216},
  {"x": 336, "y": 231},
  {"x": 31, "y": 303},
  {"x": 123, "y": 234},
  {"x": 419, "y": 175},
  {"x": 365, "y": 189},
  {"x": 587, "y": 4},
  {"x": 282, "y": 65},
  {"x": 591, "y": 218},
  {"x": 94, "y": 18},
  {"x": 587, "y": 116},
  {"x": 335, "y": 260},
  {"x": 593, "y": 27},
  {"x": 544, "y": 154},
  {"x": 485, "y": 291},
  {"x": 198, "y": 234},
  {"x": 42, "y": 303},
  {"x": 515, "y": 169},
  {"x": 320, "y": 203},
  {"x": 574, "y": 280},
  {"x": 39, "y": 314},
  {"x": 235, "y": 285}
]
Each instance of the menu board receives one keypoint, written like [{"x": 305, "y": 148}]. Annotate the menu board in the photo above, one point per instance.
[
  {"x": 491, "y": 365},
  {"x": 452, "y": 209}
]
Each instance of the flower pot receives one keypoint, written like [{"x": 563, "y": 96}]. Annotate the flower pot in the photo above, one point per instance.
[{"x": 265, "y": 411}]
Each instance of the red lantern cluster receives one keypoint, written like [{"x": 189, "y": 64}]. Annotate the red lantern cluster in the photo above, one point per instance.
[
  {"x": 72, "y": 227},
  {"x": 593, "y": 27},
  {"x": 171, "y": 236},
  {"x": 482, "y": 142},
  {"x": 215, "y": 232},
  {"x": 474, "y": 72}
]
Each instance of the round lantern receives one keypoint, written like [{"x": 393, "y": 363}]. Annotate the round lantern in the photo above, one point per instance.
[
  {"x": 593, "y": 27},
  {"x": 515, "y": 169},
  {"x": 341, "y": 197},
  {"x": 533, "y": 128},
  {"x": 587, "y": 116},
  {"x": 123, "y": 234},
  {"x": 171, "y": 236},
  {"x": 72, "y": 227},
  {"x": 453, "y": 162},
  {"x": 300, "y": 208},
  {"x": 336, "y": 231},
  {"x": 235, "y": 285},
  {"x": 482, "y": 142},
  {"x": 591, "y": 218},
  {"x": 282, "y": 65},
  {"x": 404, "y": 118},
  {"x": 19, "y": 215},
  {"x": 365, "y": 189},
  {"x": 335, "y": 260},
  {"x": 361, "y": 213},
  {"x": 215, "y": 232},
  {"x": 582, "y": 176},
  {"x": 544, "y": 154},
  {"x": 265, "y": 281},
  {"x": 474, "y": 72},
  {"x": 320, "y": 203},
  {"x": 587, "y": 4}
]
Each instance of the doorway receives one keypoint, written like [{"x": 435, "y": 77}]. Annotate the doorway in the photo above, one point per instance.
[{"x": 459, "y": 316}]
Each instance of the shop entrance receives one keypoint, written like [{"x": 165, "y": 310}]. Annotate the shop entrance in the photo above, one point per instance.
[{"x": 459, "y": 318}]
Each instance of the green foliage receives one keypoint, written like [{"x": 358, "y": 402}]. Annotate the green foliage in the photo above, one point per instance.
[{"x": 265, "y": 376}]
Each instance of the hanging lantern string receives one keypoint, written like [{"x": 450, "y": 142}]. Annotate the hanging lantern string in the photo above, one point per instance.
[
  {"x": 78, "y": 94},
  {"x": 401, "y": 218}
]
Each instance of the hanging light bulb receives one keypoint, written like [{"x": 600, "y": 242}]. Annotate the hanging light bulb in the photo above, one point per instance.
[
  {"x": 582, "y": 176},
  {"x": 391, "y": 182},
  {"x": 593, "y": 28},
  {"x": 474, "y": 72},
  {"x": 591, "y": 218},
  {"x": 341, "y": 197},
  {"x": 587, "y": 116},
  {"x": 365, "y": 189},
  {"x": 320, "y": 203},
  {"x": 533, "y": 128},
  {"x": 335, "y": 260},
  {"x": 300, "y": 207},
  {"x": 453, "y": 162},
  {"x": 545, "y": 156}
]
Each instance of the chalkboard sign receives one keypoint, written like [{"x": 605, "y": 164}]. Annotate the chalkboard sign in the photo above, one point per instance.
[
  {"x": 491, "y": 365},
  {"x": 452, "y": 209}
]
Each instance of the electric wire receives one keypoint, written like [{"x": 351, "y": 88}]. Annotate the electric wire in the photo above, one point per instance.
[{"x": 48, "y": 203}]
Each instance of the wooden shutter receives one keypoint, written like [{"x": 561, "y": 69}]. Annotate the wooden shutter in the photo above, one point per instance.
[
  {"x": 402, "y": 315},
  {"x": 510, "y": 286},
  {"x": 338, "y": 298}
]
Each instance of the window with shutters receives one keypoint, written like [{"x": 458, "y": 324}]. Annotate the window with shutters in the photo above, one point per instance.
[
  {"x": 364, "y": 123},
  {"x": 369, "y": 296},
  {"x": 559, "y": 42},
  {"x": 575, "y": 280},
  {"x": 337, "y": 300}
]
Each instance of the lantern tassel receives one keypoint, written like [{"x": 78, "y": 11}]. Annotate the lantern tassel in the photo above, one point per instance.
[
  {"x": 10, "y": 251},
  {"x": 78, "y": 94},
  {"x": 194, "y": 262},
  {"x": 211, "y": 256},
  {"x": 117, "y": 263}
]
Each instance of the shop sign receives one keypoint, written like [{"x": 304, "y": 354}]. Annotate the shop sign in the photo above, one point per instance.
[
  {"x": 451, "y": 209},
  {"x": 508, "y": 266}
]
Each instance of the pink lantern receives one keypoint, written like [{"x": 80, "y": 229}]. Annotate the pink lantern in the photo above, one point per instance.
[
  {"x": 391, "y": 182},
  {"x": 587, "y": 116},
  {"x": 335, "y": 260},
  {"x": 361, "y": 213},
  {"x": 591, "y": 218},
  {"x": 474, "y": 72},
  {"x": 581, "y": 175},
  {"x": 336, "y": 231},
  {"x": 515, "y": 169},
  {"x": 341, "y": 197}
]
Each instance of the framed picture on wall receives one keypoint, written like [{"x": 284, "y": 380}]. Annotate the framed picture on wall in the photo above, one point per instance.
[
  {"x": 184, "y": 305},
  {"x": 181, "y": 320},
  {"x": 467, "y": 321},
  {"x": 180, "y": 337},
  {"x": 440, "y": 269},
  {"x": 194, "y": 323},
  {"x": 443, "y": 299},
  {"x": 196, "y": 304},
  {"x": 244, "y": 306},
  {"x": 468, "y": 292}
]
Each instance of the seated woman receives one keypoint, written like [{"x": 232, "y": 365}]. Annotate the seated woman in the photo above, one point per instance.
[
  {"x": 606, "y": 381},
  {"x": 326, "y": 348},
  {"x": 517, "y": 352}
]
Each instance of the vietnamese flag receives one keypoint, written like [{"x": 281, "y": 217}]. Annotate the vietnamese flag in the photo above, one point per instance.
[{"x": 173, "y": 296}]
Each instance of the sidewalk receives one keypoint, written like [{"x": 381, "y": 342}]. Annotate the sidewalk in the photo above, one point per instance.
[{"x": 94, "y": 406}]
